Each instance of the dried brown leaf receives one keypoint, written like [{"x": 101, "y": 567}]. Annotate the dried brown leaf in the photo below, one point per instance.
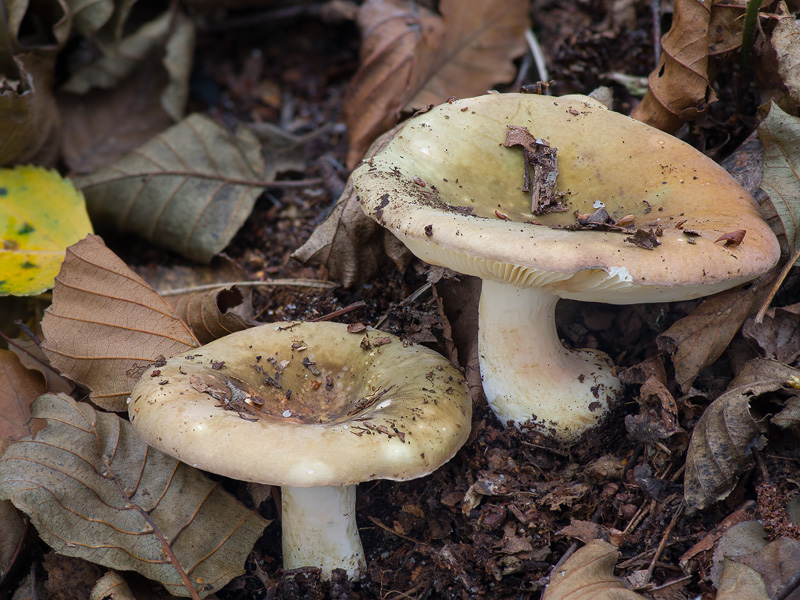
[
  {"x": 778, "y": 334},
  {"x": 785, "y": 40},
  {"x": 112, "y": 586},
  {"x": 700, "y": 338},
  {"x": 679, "y": 87},
  {"x": 30, "y": 122},
  {"x": 94, "y": 490},
  {"x": 19, "y": 387},
  {"x": 411, "y": 58},
  {"x": 589, "y": 573},
  {"x": 188, "y": 189},
  {"x": 209, "y": 314},
  {"x": 106, "y": 325},
  {"x": 719, "y": 450},
  {"x": 350, "y": 244}
]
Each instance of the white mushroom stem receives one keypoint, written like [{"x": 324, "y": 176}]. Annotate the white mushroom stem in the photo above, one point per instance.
[
  {"x": 319, "y": 530},
  {"x": 528, "y": 375}
]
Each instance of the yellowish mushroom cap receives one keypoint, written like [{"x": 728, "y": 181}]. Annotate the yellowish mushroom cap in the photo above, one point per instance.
[
  {"x": 305, "y": 405},
  {"x": 452, "y": 192}
]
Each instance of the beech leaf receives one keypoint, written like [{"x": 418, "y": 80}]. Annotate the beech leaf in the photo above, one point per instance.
[
  {"x": 589, "y": 573},
  {"x": 780, "y": 134},
  {"x": 785, "y": 40},
  {"x": 188, "y": 189},
  {"x": 209, "y": 314},
  {"x": 94, "y": 490},
  {"x": 106, "y": 325},
  {"x": 699, "y": 339},
  {"x": 40, "y": 215},
  {"x": 19, "y": 387},
  {"x": 778, "y": 334},
  {"x": 411, "y": 57},
  {"x": 719, "y": 450},
  {"x": 679, "y": 88}
]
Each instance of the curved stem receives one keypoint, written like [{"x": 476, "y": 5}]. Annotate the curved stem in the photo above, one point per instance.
[
  {"x": 319, "y": 530},
  {"x": 528, "y": 375}
]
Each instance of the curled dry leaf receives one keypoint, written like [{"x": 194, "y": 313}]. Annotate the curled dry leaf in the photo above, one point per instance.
[
  {"x": 412, "y": 58},
  {"x": 700, "y": 338},
  {"x": 589, "y": 573},
  {"x": 111, "y": 586},
  {"x": 13, "y": 527},
  {"x": 778, "y": 334},
  {"x": 30, "y": 122},
  {"x": 679, "y": 87},
  {"x": 719, "y": 450},
  {"x": 209, "y": 314},
  {"x": 189, "y": 189},
  {"x": 349, "y": 243},
  {"x": 106, "y": 325},
  {"x": 94, "y": 490}
]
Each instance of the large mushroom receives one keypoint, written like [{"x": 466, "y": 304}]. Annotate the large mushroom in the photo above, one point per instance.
[
  {"x": 314, "y": 409},
  {"x": 450, "y": 186}
]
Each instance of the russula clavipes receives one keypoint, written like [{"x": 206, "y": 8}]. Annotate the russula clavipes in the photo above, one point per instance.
[
  {"x": 314, "y": 409},
  {"x": 449, "y": 187}
]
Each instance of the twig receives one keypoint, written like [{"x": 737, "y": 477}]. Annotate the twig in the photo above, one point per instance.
[
  {"x": 340, "y": 312},
  {"x": 392, "y": 531},
  {"x": 655, "y": 13},
  {"x": 776, "y": 286},
  {"x": 664, "y": 539},
  {"x": 310, "y": 283},
  {"x": 538, "y": 57},
  {"x": 791, "y": 585},
  {"x": 424, "y": 288}
]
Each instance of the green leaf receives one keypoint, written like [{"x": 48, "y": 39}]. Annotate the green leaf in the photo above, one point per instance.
[
  {"x": 188, "y": 189},
  {"x": 40, "y": 215},
  {"x": 94, "y": 490},
  {"x": 780, "y": 134}
]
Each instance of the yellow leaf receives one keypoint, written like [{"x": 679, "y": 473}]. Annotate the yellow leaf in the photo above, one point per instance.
[{"x": 40, "y": 215}]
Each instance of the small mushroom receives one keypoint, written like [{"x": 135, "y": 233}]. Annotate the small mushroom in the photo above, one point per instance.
[
  {"x": 478, "y": 221},
  {"x": 305, "y": 407}
]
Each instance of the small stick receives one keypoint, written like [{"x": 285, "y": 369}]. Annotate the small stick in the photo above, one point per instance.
[
  {"x": 421, "y": 290},
  {"x": 778, "y": 283},
  {"x": 664, "y": 539},
  {"x": 538, "y": 58},
  {"x": 310, "y": 283},
  {"x": 340, "y": 312},
  {"x": 392, "y": 531}
]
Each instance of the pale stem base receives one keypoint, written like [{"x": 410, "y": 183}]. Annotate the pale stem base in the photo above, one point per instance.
[
  {"x": 319, "y": 530},
  {"x": 528, "y": 375}
]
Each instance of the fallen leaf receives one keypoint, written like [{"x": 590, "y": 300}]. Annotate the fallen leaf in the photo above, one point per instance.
[
  {"x": 189, "y": 189},
  {"x": 732, "y": 238},
  {"x": 740, "y": 582},
  {"x": 209, "y": 314},
  {"x": 778, "y": 334},
  {"x": 697, "y": 340},
  {"x": 589, "y": 573},
  {"x": 30, "y": 122},
  {"x": 540, "y": 163},
  {"x": 785, "y": 40},
  {"x": 719, "y": 450},
  {"x": 32, "y": 357},
  {"x": 349, "y": 243},
  {"x": 412, "y": 58},
  {"x": 679, "y": 88},
  {"x": 644, "y": 239},
  {"x": 112, "y": 586},
  {"x": 780, "y": 134},
  {"x": 19, "y": 387},
  {"x": 94, "y": 490},
  {"x": 106, "y": 325},
  {"x": 40, "y": 215}
]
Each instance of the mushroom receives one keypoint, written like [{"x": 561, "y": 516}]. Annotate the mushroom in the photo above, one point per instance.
[
  {"x": 450, "y": 189},
  {"x": 314, "y": 409}
]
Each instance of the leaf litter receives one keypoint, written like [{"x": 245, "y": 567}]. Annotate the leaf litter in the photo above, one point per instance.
[{"x": 430, "y": 541}]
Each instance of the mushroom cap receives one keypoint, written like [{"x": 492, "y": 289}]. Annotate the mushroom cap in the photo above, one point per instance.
[
  {"x": 449, "y": 189},
  {"x": 343, "y": 411}
]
